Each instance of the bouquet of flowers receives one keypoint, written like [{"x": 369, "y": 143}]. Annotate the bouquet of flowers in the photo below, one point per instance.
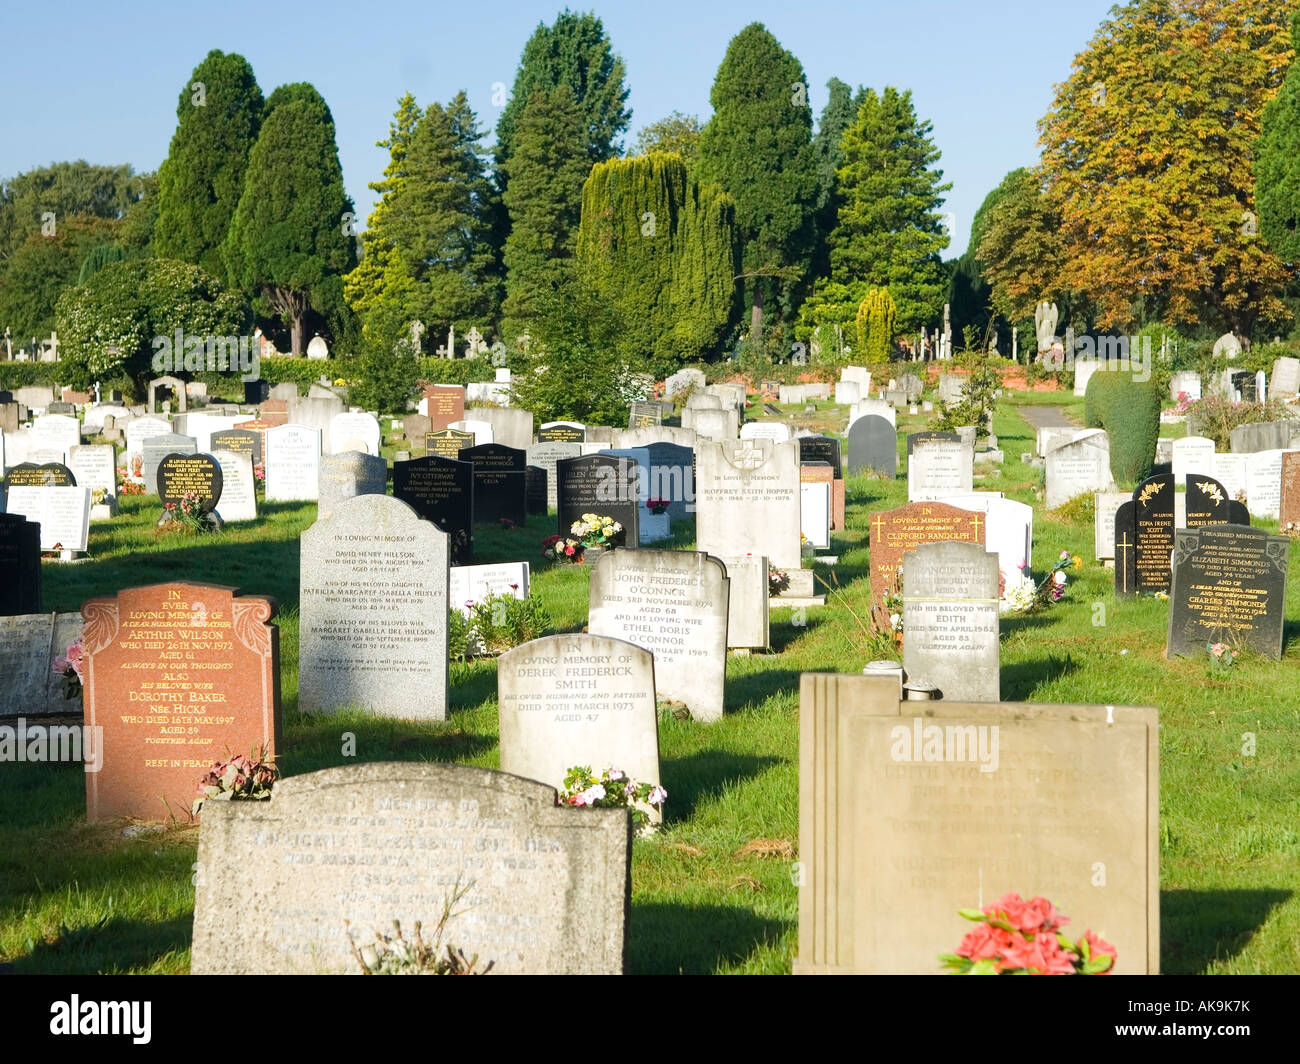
[
  {"x": 1018, "y": 937},
  {"x": 1028, "y": 596},
  {"x": 71, "y": 668},
  {"x": 242, "y": 777},
  {"x": 595, "y": 530},
  {"x": 1221, "y": 655},
  {"x": 561, "y": 549},
  {"x": 777, "y": 581},
  {"x": 613, "y": 788},
  {"x": 657, "y": 506},
  {"x": 188, "y": 513},
  {"x": 259, "y": 472}
]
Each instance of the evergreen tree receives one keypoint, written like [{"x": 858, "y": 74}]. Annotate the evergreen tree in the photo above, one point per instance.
[
  {"x": 286, "y": 245},
  {"x": 662, "y": 249},
  {"x": 544, "y": 199},
  {"x": 1277, "y": 162},
  {"x": 64, "y": 190},
  {"x": 757, "y": 148},
  {"x": 836, "y": 117},
  {"x": 42, "y": 268},
  {"x": 218, "y": 116},
  {"x": 101, "y": 255},
  {"x": 888, "y": 232}
]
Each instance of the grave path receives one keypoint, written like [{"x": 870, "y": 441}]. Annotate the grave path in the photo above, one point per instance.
[{"x": 1046, "y": 417}]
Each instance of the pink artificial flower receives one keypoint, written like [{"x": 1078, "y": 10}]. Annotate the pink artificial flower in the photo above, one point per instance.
[
  {"x": 1100, "y": 947},
  {"x": 74, "y": 659},
  {"x": 657, "y": 796}
]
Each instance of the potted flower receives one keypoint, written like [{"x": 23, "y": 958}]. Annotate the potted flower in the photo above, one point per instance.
[
  {"x": 562, "y": 549},
  {"x": 597, "y": 534},
  {"x": 655, "y": 524}
]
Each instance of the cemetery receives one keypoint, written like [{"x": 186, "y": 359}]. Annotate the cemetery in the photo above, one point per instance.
[{"x": 593, "y": 652}]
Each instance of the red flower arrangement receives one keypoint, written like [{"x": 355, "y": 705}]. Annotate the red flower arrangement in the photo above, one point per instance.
[{"x": 1018, "y": 937}]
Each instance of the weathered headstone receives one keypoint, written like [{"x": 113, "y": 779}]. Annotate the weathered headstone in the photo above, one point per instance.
[
  {"x": 644, "y": 415},
  {"x": 675, "y": 605},
  {"x": 1289, "y": 492},
  {"x": 873, "y": 445},
  {"x": 1105, "y": 506},
  {"x": 1078, "y": 468},
  {"x": 180, "y": 676},
  {"x": 545, "y": 888},
  {"x": 156, "y": 448},
  {"x": 903, "y": 812},
  {"x": 1262, "y": 436},
  {"x": 603, "y": 484},
  {"x": 29, "y": 646},
  {"x": 1229, "y": 586},
  {"x": 239, "y": 441},
  {"x": 347, "y": 475},
  {"x": 374, "y": 644},
  {"x": 1285, "y": 379},
  {"x": 894, "y": 533},
  {"x": 500, "y": 483},
  {"x": 62, "y": 513},
  {"x": 238, "y": 500},
  {"x": 570, "y": 700},
  {"x": 712, "y": 424},
  {"x": 293, "y": 463},
  {"x": 56, "y": 432},
  {"x": 441, "y": 490},
  {"x": 937, "y": 468},
  {"x": 747, "y": 500}
]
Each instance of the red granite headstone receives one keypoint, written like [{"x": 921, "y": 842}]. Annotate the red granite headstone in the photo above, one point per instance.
[
  {"x": 259, "y": 426},
  {"x": 895, "y": 532},
  {"x": 446, "y": 403},
  {"x": 179, "y": 676}
]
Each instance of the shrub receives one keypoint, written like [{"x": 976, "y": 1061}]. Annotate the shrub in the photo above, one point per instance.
[
  {"x": 975, "y": 407},
  {"x": 876, "y": 321},
  {"x": 1129, "y": 411},
  {"x": 1215, "y": 417}
]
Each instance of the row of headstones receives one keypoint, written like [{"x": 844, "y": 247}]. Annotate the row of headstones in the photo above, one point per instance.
[{"x": 1237, "y": 384}]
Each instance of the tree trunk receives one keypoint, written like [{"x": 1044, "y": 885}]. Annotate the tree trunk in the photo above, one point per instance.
[
  {"x": 756, "y": 312},
  {"x": 295, "y": 333}
]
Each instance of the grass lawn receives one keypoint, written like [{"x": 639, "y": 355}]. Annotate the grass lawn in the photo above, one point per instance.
[{"x": 713, "y": 891}]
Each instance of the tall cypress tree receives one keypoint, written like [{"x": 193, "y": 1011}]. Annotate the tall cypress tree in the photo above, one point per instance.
[
  {"x": 888, "y": 232},
  {"x": 836, "y": 117},
  {"x": 219, "y": 114},
  {"x": 757, "y": 148},
  {"x": 286, "y": 245},
  {"x": 663, "y": 250},
  {"x": 543, "y": 196}
]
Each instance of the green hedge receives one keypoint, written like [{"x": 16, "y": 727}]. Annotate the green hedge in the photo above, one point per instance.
[{"x": 1129, "y": 411}]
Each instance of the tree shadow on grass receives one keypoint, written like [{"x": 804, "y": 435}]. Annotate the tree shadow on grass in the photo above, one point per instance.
[
  {"x": 666, "y": 939},
  {"x": 754, "y": 688},
  {"x": 1199, "y": 927},
  {"x": 1022, "y": 679},
  {"x": 704, "y": 775},
  {"x": 107, "y": 946}
]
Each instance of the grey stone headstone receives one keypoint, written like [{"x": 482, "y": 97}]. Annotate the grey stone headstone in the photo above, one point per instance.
[
  {"x": 293, "y": 463},
  {"x": 511, "y": 427},
  {"x": 749, "y": 602},
  {"x": 674, "y": 604},
  {"x": 1078, "y": 468},
  {"x": 544, "y": 456},
  {"x": 950, "y": 617},
  {"x": 1262, "y": 436},
  {"x": 1285, "y": 380},
  {"x": 377, "y": 645},
  {"x": 747, "y": 500},
  {"x": 29, "y": 644},
  {"x": 938, "y": 468},
  {"x": 355, "y": 848},
  {"x": 352, "y": 473},
  {"x": 156, "y": 448}
]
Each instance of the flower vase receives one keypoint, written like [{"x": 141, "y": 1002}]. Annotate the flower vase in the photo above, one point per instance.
[{"x": 590, "y": 555}]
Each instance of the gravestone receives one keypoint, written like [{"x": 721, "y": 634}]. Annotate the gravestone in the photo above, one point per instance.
[
  {"x": 1105, "y": 506},
  {"x": 182, "y": 474},
  {"x": 1262, "y": 436},
  {"x": 1289, "y": 492},
  {"x": 1230, "y": 471},
  {"x": 443, "y": 404},
  {"x": 415, "y": 427},
  {"x": 481, "y": 430},
  {"x": 827, "y": 449},
  {"x": 1285, "y": 379},
  {"x": 562, "y": 432},
  {"x": 644, "y": 415},
  {"x": 1084, "y": 368},
  {"x": 1008, "y": 534},
  {"x": 29, "y": 646},
  {"x": 1152, "y": 531},
  {"x": 441, "y": 490},
  {"x": 1125, "y": 549},
  {"x": 544, "y": 456},
  {"x": 239, "y": 441},
  {"x": 535, "y": 482},
  {"x": 238, "y": 500},
  {"x": 20, "y": 565},
  {"x": 500, "y": 483},
  {"x": 1207, "y": 503},
  {"x": 873, "y": 446},
  {"x": 274, "y": 411},
  {"x": 1078, "y": 468},
  {"x": 748, "y": 601},
  {"x": 180, "y": 676},
  {"x": 545, "y": 888},
  {"x": 675, "y": 605},
  {"x": 293, "y": 463},
  {"x": 1264, "y": 483},
  {"x": 62, "y": 513},
  {"x": 747, "y": 500},
  {"x": 137, "y": 431},
  {"x": 672, "y": 477},
  {"x": 712, "y": 424},
  {"x": 913, "y": 438},
  {"x": 1192, "y": 454},
  {"x": 42, "y": 475},
  {"x": 569, "y": 700},
  {"x": 776, "y": 431},
  {"x": 894, "y": 533},
  {"x": 347, "y": 475},
  {"x": 815, "y": 482},
  {"x": 374, "y": 644},
  {"x": 513, "y": 428},
  {"x": 683, "y": 380},
  {"x": 1229, "y": 586},
  {"x": 950, "y": 617},
  {"x": 847, "y": 392},
  {"x": 156, "y": 448},
  {"x": 902, "y": 812},
  {"x": 354, "y": 432},
  {"x": 1185, "y": 382},
  {"x": 203, "y": 426},
  {"x": 315, "y": 412},
  {"x": 878, "y": 407},
  {"x": 448, "y": 443},
  {"x": 56, "y": 432},
  {"x": 603, "y": 484},
  {"x": 937, "y": 468},
  {"x": 477, "y": 583}
]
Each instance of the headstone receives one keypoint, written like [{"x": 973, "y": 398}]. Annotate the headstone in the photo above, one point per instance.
[
  {"x": 654, "y": 434},
  {"x": 513, "y": 428},
  {"x": 827, "y": 449},
  {"x": 1105, "y": 506},
  {"x": 415, "y": 427},
  {"x": 544, "y": 456},
  {"x": 1078, "y": 468},
  {"x": 1084, "y": 368},
  {"x": 1229, "y": 586},
  {"x": 672, "y": 477},
  {"x": 894, "y": 533},
  {"x": 42, "y": 475},
  {"x": 1206, "y": 502},
  {"x": 441, "y": 490},
  {"x": 873, "y": 446},
  {"x": 603, "y": 484},
  {"x": 140, "y": 429},
  {"x": 1264, "y": 483},
  {"x": 62, "y": 513},
  {"x": 683, "y": 380},
  {"x": 951, "y": 388},
  {"x": 156, "y": 448},
  {"x": 203, "y": 426},
  {"x": 377, "y": 645},
  {"x": 482, "y": 430},
  {"x": 747, "y": 500},
  {"x": 535, "y": 485},
  {"x": 847, "y": 392},
  {"x": 815, "y": 482},
  {"x": 29, "y": 645},
  {"x": 293, "y": 463},
  {"x": 1008, "y": 534},
  {"x": 354, "y": 432},
  {"x": 36, "y": 397},
  {"x": 180, "y": 676},
  {"x": 274, "y": 411},
  {"x": 95, "y": 467},
  {"x": 1185, "y": 382},
  {"x": 903, "y": 812},
  {"x": 913, "y": 438},
  {"x": 1192, "y": 455},
  {"x": 570, "y": 700},
  {"x": 1153, "y": 532},
  {"x": 443, "y": 404},
  {"x": 644, "y": 415},
  {"x": 20, "y": 565},
  {"x": 238, "y": 500},
  {"x": 716, "y": 425},
  {"x": 314, "y": 411},
  {"x": 562, "y": 432},
  {"x": 239, "y": 441},
  {"x": 878, "y": 407},
  {"x": 937, "y": 468},
  {"x": 545, "y": 888},
  {"x": 347, "y": 475},
  {"x": 1285, "y": 379},
  {"x": 183, "y": 474},
  {"x": 1230, "y": 471},
  {"x": 477, "y": 583},
  {"x": 776, "y": 431},
  {"x": 283, "y": 392},
  {"x": 56, "y": 432},
  {"x": 500, "y": 482},
  {"x": 1262, "y": 436},
  {"x": 950, "y": 620},
  {"x": 1289, "y": 493},
  {"x": 675, "y": 605},
  {"x": 448, "y": 443}
]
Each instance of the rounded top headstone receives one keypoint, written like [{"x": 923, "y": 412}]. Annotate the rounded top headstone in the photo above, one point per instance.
[{"x": 318, "y": 348}]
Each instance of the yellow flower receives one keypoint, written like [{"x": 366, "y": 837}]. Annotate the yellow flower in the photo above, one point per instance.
[{"x": 1076, "y": 561}]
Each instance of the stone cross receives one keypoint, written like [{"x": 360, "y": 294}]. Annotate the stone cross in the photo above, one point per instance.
[
  {"x": 1015, "y": 355},
  {"x": 417, "y": 327},
  {"x": 450, "y": 350},
  {"x": 747, "y": 456},
  {"x": 477, "y": 346},
  {"x": 53, "y": 343}
]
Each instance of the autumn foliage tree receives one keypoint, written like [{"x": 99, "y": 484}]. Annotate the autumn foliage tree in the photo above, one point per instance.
[{"x": 1147, "y": 154}]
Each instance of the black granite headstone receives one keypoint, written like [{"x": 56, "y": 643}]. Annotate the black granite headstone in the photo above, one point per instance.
[
  {"x": 46, "y": 475},
  {"x": 1153, "y": 518},
  {"x": 873, "y": 445},
  {"x": 535, "y": 489},
  {"x": 603, "y": 484},
  {"x": 672, "y": 477},
  {"x": 644, "y": 415},
  {"x": 500, "y": 483},
  {"x": 913, "y": 438},
  {"x": 1229, "y": 586},
  {"x": 821, "y": 449},
  {"x": 255, "y": 392},
  {"x": 240, "y": 441},
  {"x": 1207, "y": 501},
  {"x": 20, "y": 565},
  {"x": 441, "y": 490},
  {"x": 562, "y": 432},
  {"x": 1125, "y": 549},
  {"x": 181, "y": 474}
]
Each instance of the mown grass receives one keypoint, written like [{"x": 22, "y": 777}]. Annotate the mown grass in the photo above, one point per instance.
[{"x": 713, "y": 891}]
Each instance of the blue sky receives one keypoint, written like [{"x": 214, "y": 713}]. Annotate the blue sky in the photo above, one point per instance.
[{"x": 100, "y": 81}]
